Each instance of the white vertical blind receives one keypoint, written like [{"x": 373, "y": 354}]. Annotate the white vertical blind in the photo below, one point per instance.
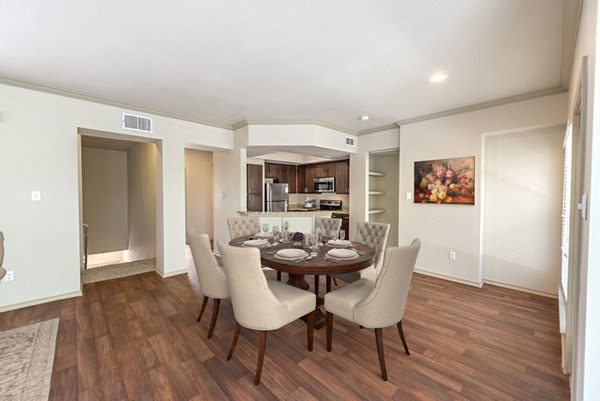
[{"x": 566, "y": 210}]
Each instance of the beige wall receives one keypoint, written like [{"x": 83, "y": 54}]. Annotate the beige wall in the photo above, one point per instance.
[
  {"x": 522, "y": 207},
  {"x": 442, "y": 228},
  {"x": 39, "y": 135},
  {"x": 142, "y": 202},
  {"x": 104, "y": 181},
  {"x": 199, "y": 191}
]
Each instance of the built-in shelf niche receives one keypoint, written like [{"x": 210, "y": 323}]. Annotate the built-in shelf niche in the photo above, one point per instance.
[
  {"x": 376, "y": 192},
  {"x": 376, "y": 174},
  {"x": 376, "y": 211}
]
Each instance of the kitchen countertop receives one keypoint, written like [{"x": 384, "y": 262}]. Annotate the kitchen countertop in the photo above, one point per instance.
[
  {"x": 295, "y": 212},
  {"x": 304, "y": 213}
]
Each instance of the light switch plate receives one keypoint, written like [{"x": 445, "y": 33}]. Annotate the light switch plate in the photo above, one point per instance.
[
  {"x": 36, "y": 196},
  {"x": 409, "y": 195}
]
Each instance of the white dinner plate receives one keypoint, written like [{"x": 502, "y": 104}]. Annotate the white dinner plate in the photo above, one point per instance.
[
  {"x": 339, "y": 243},
  {"x": 256, "y": 242},
  {"x": 342, "y": 253},
  {"x": 291, "y": 253}
]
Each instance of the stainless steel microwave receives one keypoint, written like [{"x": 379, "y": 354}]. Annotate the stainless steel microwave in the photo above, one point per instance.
[{"x": 326, "y": 184}]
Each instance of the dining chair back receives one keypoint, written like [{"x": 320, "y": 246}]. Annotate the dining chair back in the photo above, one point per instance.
[
  {"x": 211, "y": 277},
  {"x": 241, "y": 226},
  {"x": 374, "y": 235},
  {"x": 328, "y": 224},
  {"x": 371, "y": 234},
  {"x": 376, "y": 304},
  {"x": 261, "y": 304}
]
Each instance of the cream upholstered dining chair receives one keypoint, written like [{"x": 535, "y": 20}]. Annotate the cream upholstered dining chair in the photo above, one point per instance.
[
  {"x": 376, "y": 304},
  {"x": 242, "y": 226},
  {"x": 329, "y": 225},
  {"x": 211, "y": 278},
  {"x": 261, "y": 304},
  {"x": 2, "y": 270},
  {"x": 371, "y": 234}
]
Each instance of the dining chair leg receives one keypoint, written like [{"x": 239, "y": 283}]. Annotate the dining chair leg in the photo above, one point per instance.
[
  {"x": 310, "y": 327},
  {"x": 261, "y": 355},
  {"x": 328, "y": 283},
  {"x": 215, "y": 313},
  {"x": 379, "y": 341},
  {"x": 329, "y": 329},
  {"x": 278, "y": 276},
  {"x": 317, "y": 282},
  {"x": 204, "y": 302},
  {"x": 335, "y": 282},
  {"x": 401, "y": 332},
  {"x": 236, "y": 335}
]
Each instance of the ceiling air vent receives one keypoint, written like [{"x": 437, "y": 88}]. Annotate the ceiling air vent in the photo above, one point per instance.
[
  {"x": 351, "y": 141},
  {"x": 137, "y": 123}
]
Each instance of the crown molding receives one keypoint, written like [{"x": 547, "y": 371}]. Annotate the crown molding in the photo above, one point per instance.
[
  {"x": 108, "y": 102},
  {"x": 244, "y": 123},
  {"x": 484, "y": 105},
  {"x": 379, "y": 129}
]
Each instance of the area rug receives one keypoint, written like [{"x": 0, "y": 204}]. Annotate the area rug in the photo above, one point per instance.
[{"x": 26, "y": 359}]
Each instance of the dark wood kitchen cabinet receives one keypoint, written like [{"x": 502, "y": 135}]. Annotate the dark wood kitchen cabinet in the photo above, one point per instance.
[
  {"x": 254, "y": 180},
  {"x": 300, "y": 178},
  {"x": 283, "y": 173},
  {"x": 324, "y": 170},
  {"x": 342, "y": 177}
]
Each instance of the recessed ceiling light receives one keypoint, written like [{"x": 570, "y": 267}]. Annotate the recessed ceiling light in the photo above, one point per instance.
[
  {"x": 438, "y": 77},
  {"x": 364, "y": 118}
]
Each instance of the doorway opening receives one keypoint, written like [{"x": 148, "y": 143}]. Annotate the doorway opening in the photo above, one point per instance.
[
  {"x": 118, "y": 189},
  {"x": 384, "y": 178}
]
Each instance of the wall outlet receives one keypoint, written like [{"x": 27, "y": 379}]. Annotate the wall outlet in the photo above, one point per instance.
[
  {"x": 10, "y": 275},
  {"x": 36, "y": 196},
  {"x": 452, "y": 255}
]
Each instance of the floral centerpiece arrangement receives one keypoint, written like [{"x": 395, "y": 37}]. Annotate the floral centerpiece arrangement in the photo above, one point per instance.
[
  {"x": 445, "y": 181},
  {"x": 298, "y": 237}
]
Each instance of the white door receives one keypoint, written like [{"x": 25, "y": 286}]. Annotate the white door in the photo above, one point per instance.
[{"x": 523, "y": 177}]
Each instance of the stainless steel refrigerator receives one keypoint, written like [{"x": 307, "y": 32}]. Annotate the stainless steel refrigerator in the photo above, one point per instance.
[{"x": 276, "y": 197}]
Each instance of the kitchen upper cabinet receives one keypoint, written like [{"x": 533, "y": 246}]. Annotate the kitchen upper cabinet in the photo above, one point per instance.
[
  {"x": 324, "y": 170},
  {"x": 271, "y": 170},
  {"x": 300, "y": 178},
  {"x": 342, "y": 177},
  {"x": 292, "y": 178},
  {"x": 284, "y": 173}
]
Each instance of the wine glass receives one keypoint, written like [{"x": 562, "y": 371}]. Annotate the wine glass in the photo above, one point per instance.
[
  {"x": 265, "y": 228},
  {"x": 276, "y": 232},
  {"x": 342, "y": 234},
  {"x": 286, "y": 225}
]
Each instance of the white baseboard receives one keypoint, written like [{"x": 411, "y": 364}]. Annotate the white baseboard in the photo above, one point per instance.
[
  {"x": 171, "y": 274},
  {"x": 514, "y": 287},
  {"x": 449, "y": 278},
  {"x": 40, "y": 301}
]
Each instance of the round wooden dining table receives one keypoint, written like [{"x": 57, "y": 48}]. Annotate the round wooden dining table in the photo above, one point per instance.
[{"x": 318, "y": 265}]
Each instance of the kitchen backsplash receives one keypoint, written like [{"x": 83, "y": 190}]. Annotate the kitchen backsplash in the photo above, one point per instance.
[{"x": 299, "y": 198}]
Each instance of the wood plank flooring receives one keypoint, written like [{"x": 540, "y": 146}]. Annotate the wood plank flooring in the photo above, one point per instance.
[{"x": 136, "y": 338}]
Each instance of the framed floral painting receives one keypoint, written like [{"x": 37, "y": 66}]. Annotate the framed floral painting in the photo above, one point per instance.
[{"x": 445, "y": 181}]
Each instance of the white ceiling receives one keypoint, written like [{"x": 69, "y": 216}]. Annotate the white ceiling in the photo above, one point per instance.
[{"x": 223, "y": 62}]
